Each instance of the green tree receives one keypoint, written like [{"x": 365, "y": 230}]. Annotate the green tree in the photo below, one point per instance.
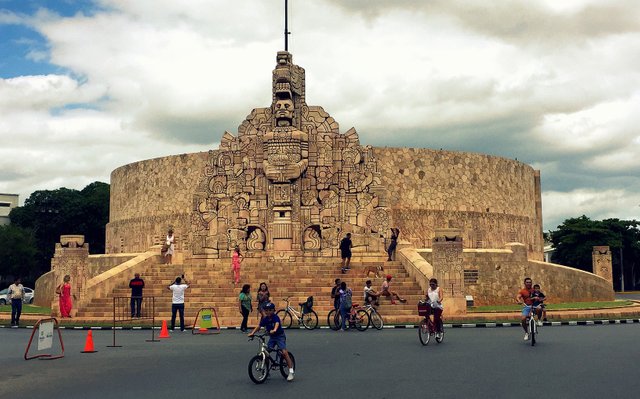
[
  {"x": 19, "y": 254},
  {"x": 575, "y": 238},
  {"x": 48, "y": 214}
]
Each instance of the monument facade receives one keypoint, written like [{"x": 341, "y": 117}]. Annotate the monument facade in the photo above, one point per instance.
[{"x": 288, "y": 185}]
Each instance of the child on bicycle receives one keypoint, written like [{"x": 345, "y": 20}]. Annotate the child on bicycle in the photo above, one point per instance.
[
  {"x": 538, "y": 304},
  {"x": 272, "y": 324},
  {"x": 434, "y": 301}
]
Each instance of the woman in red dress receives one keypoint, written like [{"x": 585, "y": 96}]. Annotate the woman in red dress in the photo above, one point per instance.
[{"x": 64, "y": 291}]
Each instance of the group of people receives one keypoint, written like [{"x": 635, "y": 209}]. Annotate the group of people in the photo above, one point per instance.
[
  {"x": 346, "y": 245},
  {"x": 342, "y": 296}
]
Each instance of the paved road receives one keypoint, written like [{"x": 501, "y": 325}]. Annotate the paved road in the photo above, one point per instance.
[{"x": 571, "y": 362}]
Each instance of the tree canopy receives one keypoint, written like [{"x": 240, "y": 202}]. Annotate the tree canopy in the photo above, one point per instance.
[
  {"x": 48, "y": 214},
  {"x": 575, "y": 238}
]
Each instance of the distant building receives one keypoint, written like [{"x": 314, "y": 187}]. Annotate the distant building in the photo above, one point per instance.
[{"x": 7, "y": 203}]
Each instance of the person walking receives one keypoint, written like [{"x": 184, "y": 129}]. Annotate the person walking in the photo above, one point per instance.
[
  {"x": 16, "y": 294},
  {"x": 177, "y": 301},
  {"x": 170, "y": 245},
  {"x": 136, "y": 284},
  {"x": 244, "y": 300},
  {"x": 391, "y": 251},
  {"x": 263, "y": 297},
  {"x": 345, "y": 252},
  {"x": 64, "y": 293},
  {"x": 236, "y": 259}
]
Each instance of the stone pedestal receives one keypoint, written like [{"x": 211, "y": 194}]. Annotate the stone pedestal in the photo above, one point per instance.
[
  {"x": 602, "y": 265},
  {"x": 448, "y": 268},
  {"x": 71, "y": 257}
]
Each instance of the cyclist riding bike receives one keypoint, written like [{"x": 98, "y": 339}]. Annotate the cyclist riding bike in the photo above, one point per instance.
[
  {"x": 272, "y": 324},
  {"x": 524, "y": 298},
  {"x": 434, "y": 302}
]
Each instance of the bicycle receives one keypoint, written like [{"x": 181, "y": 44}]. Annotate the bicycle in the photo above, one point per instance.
[
  {"x": 358, "y": 318},
  {"x": 375, "y": 319},
  {"x": 261, "y": 364},
  {"x": 307, "y": 316},
  {"x": 532, "y": 326},
  {"x": 427, "y": 327}
]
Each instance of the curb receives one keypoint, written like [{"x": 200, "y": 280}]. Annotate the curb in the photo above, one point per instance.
[{"x": 397, "y": 326}]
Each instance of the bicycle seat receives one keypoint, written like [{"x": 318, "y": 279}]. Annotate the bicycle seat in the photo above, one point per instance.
[
  {"x": 356, "y": 305},
  {"x": 302, "y": 303}
]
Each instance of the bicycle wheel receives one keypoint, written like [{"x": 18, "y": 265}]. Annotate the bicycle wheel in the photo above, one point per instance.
[
  {"x": 285, "y": 318},
  {"x": 532, "y": 331},
  {"x": 310, "y": 320},
  {"x": 440, "y": 333},
  {"x": 361, "y": 320},
  {"x": 423, "y": 332},
  {"x": 259, "y": 369},
  {"x": 284, "y": 368},
  {"x": 375, "y": 319},
  {"x": 333, "y": 320}
]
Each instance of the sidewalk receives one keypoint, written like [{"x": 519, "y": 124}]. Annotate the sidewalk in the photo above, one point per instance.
[{"x": 630, "y": 314}]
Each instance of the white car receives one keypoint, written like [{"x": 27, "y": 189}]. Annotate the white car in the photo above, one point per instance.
[{"x": 4, "y": 298}]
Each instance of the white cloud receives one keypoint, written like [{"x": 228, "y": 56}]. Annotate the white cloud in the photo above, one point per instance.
[{"x": 552, "y": 83}]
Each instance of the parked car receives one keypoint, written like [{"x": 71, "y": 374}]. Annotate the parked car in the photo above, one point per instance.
[{"x": 4, "y": 297}]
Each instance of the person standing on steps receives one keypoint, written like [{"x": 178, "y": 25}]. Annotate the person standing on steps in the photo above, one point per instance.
[
  {"x": 170, "y": 245},
  {"x": 345, "y": 305},
  {"x": 136, "y": 284},
  {"x": 177, "y": 301},
  {"x": 345, "y": 252},
  {"x": 236, "y": 259},
  {"x": 244, "y": 300},
  {"x": 391, "y": 251}
]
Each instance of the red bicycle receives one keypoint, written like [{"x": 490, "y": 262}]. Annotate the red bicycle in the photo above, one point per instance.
[{"x": 427, "y": 327}]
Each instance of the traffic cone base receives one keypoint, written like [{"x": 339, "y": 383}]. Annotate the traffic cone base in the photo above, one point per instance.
[
  {"x": 164, "y": 332},
  {"x": 88, "y": 346}
]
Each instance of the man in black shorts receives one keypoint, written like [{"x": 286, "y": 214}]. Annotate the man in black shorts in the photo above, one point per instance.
[{"x": 345, "y": 252}]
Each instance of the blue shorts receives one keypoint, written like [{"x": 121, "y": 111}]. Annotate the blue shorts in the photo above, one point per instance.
[
  {"x": 526, "y": 310},
  {"x": 277, "y": 340}
]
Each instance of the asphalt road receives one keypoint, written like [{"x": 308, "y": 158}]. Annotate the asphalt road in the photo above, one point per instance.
[{"x": 598, "y": 361}]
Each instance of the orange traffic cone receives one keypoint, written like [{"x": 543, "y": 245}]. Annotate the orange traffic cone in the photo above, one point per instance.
[
  {"x": 164, "y": 332},
  {"x": 88, "y": 346}
]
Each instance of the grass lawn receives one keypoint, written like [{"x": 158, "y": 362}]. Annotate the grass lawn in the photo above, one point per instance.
[
  {"x": 553, "y": 306},
  {"x": 28, "y": 309}
]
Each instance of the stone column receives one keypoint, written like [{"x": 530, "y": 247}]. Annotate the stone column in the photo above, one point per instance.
[
  {"x": 71, "y": 257},
  {"x": 602, "y": 265},
  {"x": 448, "y": 269}
]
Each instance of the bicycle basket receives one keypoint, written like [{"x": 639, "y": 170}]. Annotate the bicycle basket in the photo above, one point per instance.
[{"x": 423, "y": 308}]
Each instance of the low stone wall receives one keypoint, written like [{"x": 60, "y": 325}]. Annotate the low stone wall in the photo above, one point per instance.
[
  {"x": 103, "y": 284},
  {"x": 494, "y": 277}
]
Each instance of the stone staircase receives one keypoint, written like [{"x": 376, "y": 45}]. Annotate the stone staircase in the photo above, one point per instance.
[{"x": 210, "y": 285}]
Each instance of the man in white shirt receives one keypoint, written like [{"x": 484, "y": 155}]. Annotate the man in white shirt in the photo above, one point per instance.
[
  {"x": 370, "y": 295},
  {"x": 16, "y": 294},
  {"x": 177, "y": 302}
]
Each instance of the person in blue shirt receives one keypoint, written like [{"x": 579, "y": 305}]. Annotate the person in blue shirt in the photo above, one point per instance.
[
  {"x": 538, "y": 303},
  {"x": 272, "y": 324}
]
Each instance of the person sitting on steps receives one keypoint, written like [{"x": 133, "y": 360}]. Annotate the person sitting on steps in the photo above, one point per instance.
[{"x": 386, "y": 291}]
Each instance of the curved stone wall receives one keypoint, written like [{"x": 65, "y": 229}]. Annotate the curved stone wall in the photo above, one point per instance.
[{"x": 492, "y": 200}]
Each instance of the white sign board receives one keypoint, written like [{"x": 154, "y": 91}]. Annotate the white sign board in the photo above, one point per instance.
[{"x": 45, "y": 335}]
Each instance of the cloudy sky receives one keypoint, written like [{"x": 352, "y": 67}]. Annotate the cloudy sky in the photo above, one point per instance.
[{"x": 87, "y": 86}]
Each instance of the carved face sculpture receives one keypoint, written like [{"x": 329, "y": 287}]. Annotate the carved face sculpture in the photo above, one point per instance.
[{"x": 284, "y": 112}]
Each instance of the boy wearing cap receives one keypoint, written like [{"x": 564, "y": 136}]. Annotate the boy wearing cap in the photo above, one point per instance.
[
  {"x": 386, "y": 291},
  {"x": 272, "y": 324}
]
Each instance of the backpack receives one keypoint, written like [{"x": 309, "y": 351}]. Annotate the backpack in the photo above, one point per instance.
[{"x": 346, "y": 303}]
